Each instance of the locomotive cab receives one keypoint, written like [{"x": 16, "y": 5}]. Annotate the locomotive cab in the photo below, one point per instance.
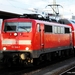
[{"x": 16, "y": 39}]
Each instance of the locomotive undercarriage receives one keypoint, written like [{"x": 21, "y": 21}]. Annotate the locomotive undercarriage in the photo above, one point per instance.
[
  {"x": 27, "y": 58},
  {"x": 56, "y": 55}
]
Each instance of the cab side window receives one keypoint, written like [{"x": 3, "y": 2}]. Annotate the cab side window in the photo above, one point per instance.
[
  {"x": 67, "y": 30},
  {"x": 38, "y": 27},
  {"x": 48, "y": 28}
]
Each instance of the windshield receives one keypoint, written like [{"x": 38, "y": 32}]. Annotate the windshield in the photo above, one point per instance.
[{"x": 18, "y": 26}]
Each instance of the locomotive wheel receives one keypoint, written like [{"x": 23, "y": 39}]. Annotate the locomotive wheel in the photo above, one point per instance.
[{"x": 35, "y": 61}]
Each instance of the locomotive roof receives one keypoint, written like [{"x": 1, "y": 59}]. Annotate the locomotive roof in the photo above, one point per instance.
[{"x": 38, "y": 18}]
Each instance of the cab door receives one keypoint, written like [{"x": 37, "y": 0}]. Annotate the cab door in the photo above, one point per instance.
[{"x": 42, "y": 35}]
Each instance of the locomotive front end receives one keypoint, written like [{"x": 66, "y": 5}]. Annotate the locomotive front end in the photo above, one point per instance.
[{"x": 16, "y": 41}]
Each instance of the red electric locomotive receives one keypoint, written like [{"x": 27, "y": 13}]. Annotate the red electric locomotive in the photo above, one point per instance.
[{"x": 27, "y": 40}]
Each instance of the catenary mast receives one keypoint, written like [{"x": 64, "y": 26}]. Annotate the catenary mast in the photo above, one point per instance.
[{"x": 54, "y": 7}]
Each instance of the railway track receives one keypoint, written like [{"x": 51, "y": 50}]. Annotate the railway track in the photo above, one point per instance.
[
  {"x": 53, "y": 68},
  {"x": 70, "y": 71},
  {"x": 28, "y": 70}
]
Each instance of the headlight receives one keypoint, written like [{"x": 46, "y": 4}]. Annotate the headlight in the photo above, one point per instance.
[
  {"x": 27, "y": 48},
  {"x": 15, "y": 34},
  {"x": 4, "y": 48}
]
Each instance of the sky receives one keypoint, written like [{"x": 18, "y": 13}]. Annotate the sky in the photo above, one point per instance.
[{"x": 25, "y": 6}]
